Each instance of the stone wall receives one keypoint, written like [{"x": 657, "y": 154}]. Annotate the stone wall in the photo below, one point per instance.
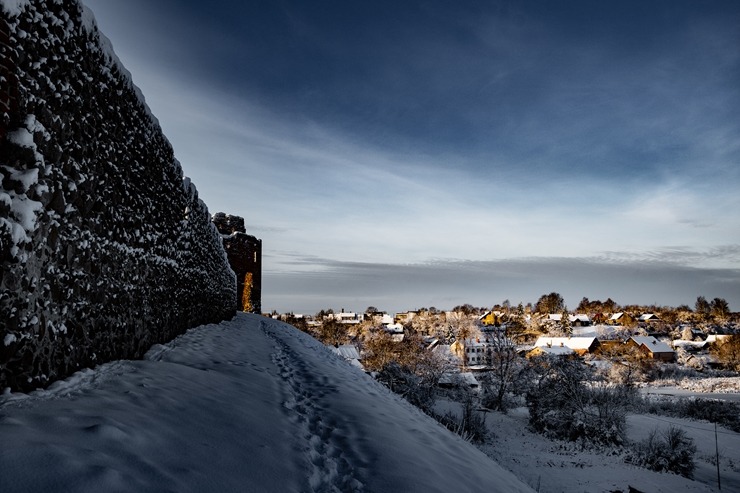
[
  {"x": 8, "y": 81},
  {"x": 245, "y": 256},
  {"x": 105, "y": 248}
]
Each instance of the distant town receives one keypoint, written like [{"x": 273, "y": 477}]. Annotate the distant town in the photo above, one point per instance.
[
  {"x": 578, "y": 374},
  {"x": 702, "y": 337}
]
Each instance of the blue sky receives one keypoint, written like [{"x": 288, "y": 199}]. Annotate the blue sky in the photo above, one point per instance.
[{"x": 408, "y": 154}]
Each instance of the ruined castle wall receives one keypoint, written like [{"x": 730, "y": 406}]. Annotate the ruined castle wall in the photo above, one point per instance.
[
  {"x": 245, "y": 256},
  {"x": 105, "y": 248}
]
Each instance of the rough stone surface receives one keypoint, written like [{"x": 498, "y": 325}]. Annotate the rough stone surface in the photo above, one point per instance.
[
  {"x": 105, "y": 248},
  {"x": 245, "y": 256}
]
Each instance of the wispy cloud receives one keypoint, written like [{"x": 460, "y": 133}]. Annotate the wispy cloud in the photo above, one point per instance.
[
  {"x": 719, "y": 256},
  {"x": 546, "y": 152}
]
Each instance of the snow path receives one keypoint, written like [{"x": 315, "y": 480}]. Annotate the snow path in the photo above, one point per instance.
[
  {"x": 330, "y": 466},
  {"x": 249, "y": 405}
]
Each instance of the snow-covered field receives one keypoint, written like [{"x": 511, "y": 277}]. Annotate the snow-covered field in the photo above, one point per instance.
[
  {"x": 555, "y": 466},
  {"x": 250, "y": 405},
  {"x": 715, "y": 388}
]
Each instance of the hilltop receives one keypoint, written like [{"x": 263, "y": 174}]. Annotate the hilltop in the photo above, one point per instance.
[{"x": 251, "y": 404}]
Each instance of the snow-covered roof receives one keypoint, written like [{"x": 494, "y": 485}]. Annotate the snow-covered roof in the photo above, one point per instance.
[
  {"x": 688, "y": 344},
  {"x": 555, "y": 350},
  {"x": 489, "y": 312},
  {"x": 653, "y": 344},
  {"x": 346, "y": 351},
  {"x": 571, "y": 342},
  {"x": 394, "y": 328},
  {"x": 557, "y": 317},
  {"x": 648, "y": 316},
  {"x": 713, "y": 338},
  {"x": 443, "y": 350},
  {"x": 616, "y": 316},
  {"x": 466, "y": 378}
]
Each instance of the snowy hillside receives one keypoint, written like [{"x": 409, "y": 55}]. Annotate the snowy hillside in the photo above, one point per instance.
[{"x": 250, "y": 405}]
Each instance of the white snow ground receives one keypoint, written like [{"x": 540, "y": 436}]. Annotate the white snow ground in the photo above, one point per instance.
[
  {"x": 250, "y": 405},
  {"x": 552, "y": 466},
  {"x": 562, "y": 466}
]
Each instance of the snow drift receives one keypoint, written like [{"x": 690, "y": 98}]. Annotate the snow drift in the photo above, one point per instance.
[{"x": 250, "y": 405}]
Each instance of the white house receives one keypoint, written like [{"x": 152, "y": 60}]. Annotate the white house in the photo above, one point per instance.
[{"x": 347, "y": 317}]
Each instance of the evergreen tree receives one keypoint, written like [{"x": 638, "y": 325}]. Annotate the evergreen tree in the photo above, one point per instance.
[
  {"x": 520, "y": 309},
  {"x": 565, "y": 326},
  {"x": 550, "y": 303},
  {"x": 719, "y": 308},
  {"x": 702, "y": 307}
]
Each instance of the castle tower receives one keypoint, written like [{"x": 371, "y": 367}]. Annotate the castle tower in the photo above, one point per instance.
[{"x": 245, "y": 257}]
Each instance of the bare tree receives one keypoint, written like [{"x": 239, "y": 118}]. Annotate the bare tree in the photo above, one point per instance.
[
  {"x": 462, "y": 326},
  {"x": 728, "y": 352},
  {"x": 629, "y": 366},
  {"x": 332, "y": 332},
  {"x": 406, "y": 367},
  {"x": 506, "y": 367},
  {"x": 566, "y": 402}
]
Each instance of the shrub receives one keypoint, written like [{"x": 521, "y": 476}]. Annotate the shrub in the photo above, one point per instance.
[
  {"x": 414, "y": 388},
  {"x": 667, "y": 451},
  {"x": 471, "y": 426},
  {"x": 721, "y": 412},
  {"x": 564, "y": 404}
]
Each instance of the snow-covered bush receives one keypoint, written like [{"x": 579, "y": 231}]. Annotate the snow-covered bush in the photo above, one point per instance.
[
  {"x": 566, "y": 403},
  {"x": 721, "y": 412},
  {"x": 405, "y": 367},
  {"x": 497, "y": 394},
  {"x": 470, "y": 425},
  {"x": 414, "y": 388},
  {"x": 668, "y": 451}
]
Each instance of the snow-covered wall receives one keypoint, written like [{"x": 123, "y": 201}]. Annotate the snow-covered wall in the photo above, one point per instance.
[{"x": 105, "y": 247}]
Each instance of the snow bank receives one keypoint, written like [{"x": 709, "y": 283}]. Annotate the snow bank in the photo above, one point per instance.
[{"x": 247, "y": 405}]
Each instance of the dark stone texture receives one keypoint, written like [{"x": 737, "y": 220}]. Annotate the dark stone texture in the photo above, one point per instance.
[
  {"x": 245, "y": 257},
  {"x": 105, "y": 249}
]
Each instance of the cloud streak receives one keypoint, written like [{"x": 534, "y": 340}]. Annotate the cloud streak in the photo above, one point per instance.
[
  {"x": 535, "y": 146},
  {"x": 446, "y": 283}
]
